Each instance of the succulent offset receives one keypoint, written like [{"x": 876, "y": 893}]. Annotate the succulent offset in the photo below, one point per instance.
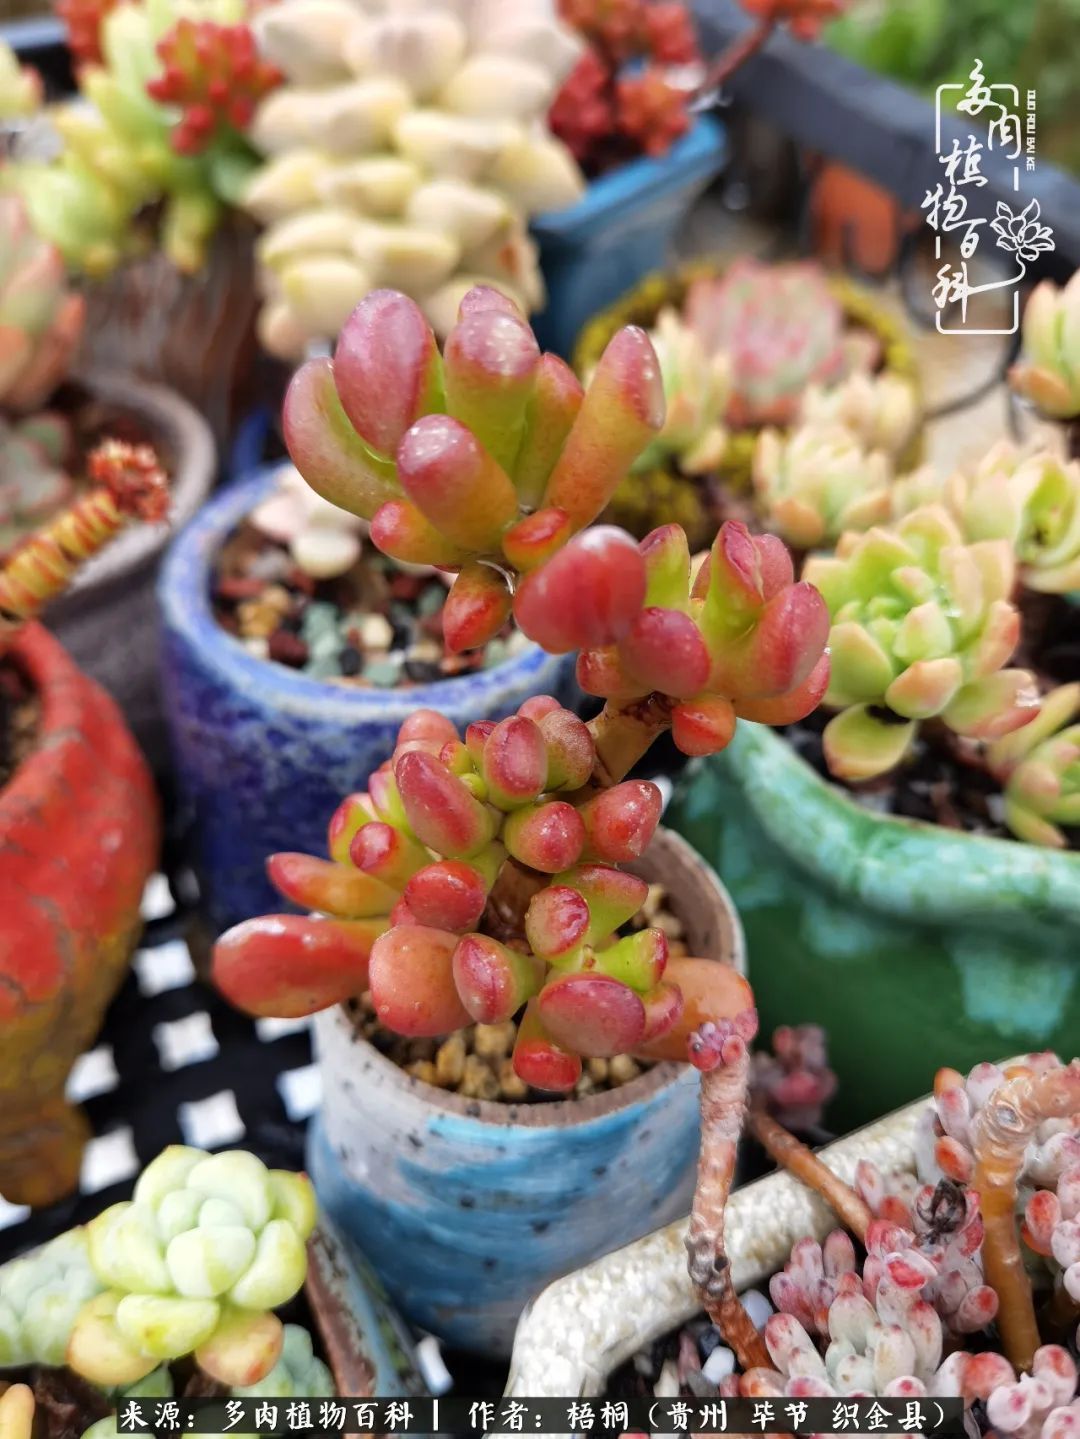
[
  {"x": 881, "y": 411},
  {"x": 922, "y": 627},
  {"x": 695, "y": 391},
  {"x": 154, "y": 150},
  {"x": 1040, "y": 768},
  {"x": 405, "y": 149},
  {"x": 478, "y": 872},
  {"x": 1048, "y": 373},
  {"x": 818, "y": 482},
  {"x": 40, "y": 318}
]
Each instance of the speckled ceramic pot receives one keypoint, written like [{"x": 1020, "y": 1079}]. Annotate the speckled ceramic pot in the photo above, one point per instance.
[
  {"x": 467, "y": 1208},
  {"x": 264, "y": 753},
  {"x": 918, "y": 945},
  {"x": 583, "y": 1327}
]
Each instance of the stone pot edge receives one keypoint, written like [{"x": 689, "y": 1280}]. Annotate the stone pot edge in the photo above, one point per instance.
[
  {"x": 902, "y": 867},
  {"x": 170, "y": 416},
  {"x": 184, "y": 599},
  {"x": 582, "y": 1327},
  {"x": 334, "y": 1026}
]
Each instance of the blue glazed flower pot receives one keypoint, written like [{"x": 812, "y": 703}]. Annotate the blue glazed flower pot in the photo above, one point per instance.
[
  {"x": 263, "y": 753},
  {"x": 621, "y": 229},
  {"x": 468, "y": 1208}
]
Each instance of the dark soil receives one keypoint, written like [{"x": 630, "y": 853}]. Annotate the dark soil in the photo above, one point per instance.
[{"x": 20, "y": 719}]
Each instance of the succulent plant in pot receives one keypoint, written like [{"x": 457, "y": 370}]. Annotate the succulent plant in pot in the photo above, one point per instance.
[
  {"x": 945, "y": 777},
  {"x": 477, "y": 879},
  {"x": 404, "y": 149},
  {"x": 64, "y": 946},
  {"x": 947, "y": 1276},
  {"x": 792, "y": 346},
  {"x": 51, "y": 418},
  {"x": 175, "y": 1291}
]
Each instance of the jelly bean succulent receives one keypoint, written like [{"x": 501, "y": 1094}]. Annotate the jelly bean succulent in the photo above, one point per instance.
[
  {"x": 1048, "y": 373},
  {"x": 629, "y": 93},
  {"x": 404, "y": 149},
  {"x": 478, "y": 877},
  {"x": 922, "y": 628},
  {"x": 154, "y": 150},
  {"x": 17, "y": 1412},
  {"x": 323, "y": 539}
]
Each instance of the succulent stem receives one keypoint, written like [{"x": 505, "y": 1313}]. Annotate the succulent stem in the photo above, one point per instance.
[
  {"x": 723, "y": 1106},
  {"x": 803, "y": 1163},
  {"x": 743, "y": 48},
  {"x": 623, "y": 734},
  {"x": 1002, "y": 1131}
]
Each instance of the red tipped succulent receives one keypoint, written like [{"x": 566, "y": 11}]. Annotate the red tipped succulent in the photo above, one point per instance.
[{"x": 214, "y": 75}]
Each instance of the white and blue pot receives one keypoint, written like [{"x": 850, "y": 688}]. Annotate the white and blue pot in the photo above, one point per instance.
[
  {"x": 468, "y": 1208},
  {"x": 621, "y": 229},
  {"x": 264, "y": 753}
]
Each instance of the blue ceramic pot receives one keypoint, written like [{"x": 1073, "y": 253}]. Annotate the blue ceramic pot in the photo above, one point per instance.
[
  {"x": 264, "y": 753},
  {"x": 467, "y": 1208},
  {"x": 621, "y": 229}
]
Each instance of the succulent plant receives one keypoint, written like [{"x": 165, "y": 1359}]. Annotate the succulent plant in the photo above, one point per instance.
[
  {"x": 194, "y": 1264},
  {"x": 804, "y": 18},
  {"x": 629, "y": 93},
  {"x": 695, "y": 393},
  {"x": 40, "y": 318},
  {"x": 16, "y": 1412},
  {"x": 126, "y": 483},
  {"x": 781, "y": 329},
  {"x": 20, "y": 87},
  {"x": 405, "y": 149},
  {"x": 133, "y": 169},
  {"x": 881, "y": 411},
  {"x": 323, "y": 539},
  {"x": 82, "y": 23},
  {"x": 1040, "y": 767},
  {"x": 794, "y": 1082},
  {"x": 33, "y": 484},
  {"x": 477, "y": 875},
  {"x": 922, "y": 627},
  {"x": 818, "y": 482},
  {"x": 1048, "y": 373},
  {"x": 40, "y": 1298}
]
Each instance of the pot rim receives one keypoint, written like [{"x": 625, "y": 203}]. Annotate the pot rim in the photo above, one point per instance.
[
  {"x": 171, "y": 420},
  {"x": 560, "y": 1113},
  {"x": 184, "y": 597},
  {"x": 583, "y": 1326},
  {"x": 904, "y": 867},
  {"x": 62, "y": 689}
]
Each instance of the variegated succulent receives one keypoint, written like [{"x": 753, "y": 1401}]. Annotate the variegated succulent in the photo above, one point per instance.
[
  {"x": 818, "y": 482},
  {"x": 406, "y": 149},
  {"x": 881, "y": 410},
  {"x": 922, "y": 627},
  {"x": 1040, "y": 767},
  {"x": 1048, "y": 373}
]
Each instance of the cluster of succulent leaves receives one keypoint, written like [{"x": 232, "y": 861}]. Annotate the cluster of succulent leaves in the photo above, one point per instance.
[
  {"x": 157, "y": 131},
  {"x": 492, "y": 460},
  {"x": 194, "y": 1264}
]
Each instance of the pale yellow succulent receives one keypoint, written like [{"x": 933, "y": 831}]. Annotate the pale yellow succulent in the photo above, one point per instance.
[
  {"x": 1048, "y": 373},
  {"x": 17, "y": 1412},
  {"x": 20, "y": 87},
  {"x": 881, "y": 411},
  {"x": 696, "y": 391},
  {"x": 406, "y": 150},
  {"x": 817, "y": 482}
]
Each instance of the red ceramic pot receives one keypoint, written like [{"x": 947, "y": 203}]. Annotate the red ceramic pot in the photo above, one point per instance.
[{"x": 79, "y": 836}]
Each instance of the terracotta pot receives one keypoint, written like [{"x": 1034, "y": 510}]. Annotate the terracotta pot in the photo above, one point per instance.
[
  {"x": 466, "y": 1208},
  {"x": 853, "y": 222},
  {"x": 108, "y": 619},
  {"x": 584, "y": 1326},
  {"x": 79, "y": 835}
]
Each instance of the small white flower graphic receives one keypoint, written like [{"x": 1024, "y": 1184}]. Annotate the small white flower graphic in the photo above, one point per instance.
[{"x": 1021, "y": 234}]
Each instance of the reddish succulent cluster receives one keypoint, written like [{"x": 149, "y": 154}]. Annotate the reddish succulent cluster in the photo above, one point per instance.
[
  {"x": 794, "y": 1082},
  {"x": 606, "y": 114},
  {"x": 82, "y": 21},
  {"x": 214, "y": 75},
  {"x": 804, "y": 18},
  {"x": 133, "y": 477}
]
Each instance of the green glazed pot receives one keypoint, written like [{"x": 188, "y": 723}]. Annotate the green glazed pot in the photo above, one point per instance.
[{"x": 915, "y": 946}]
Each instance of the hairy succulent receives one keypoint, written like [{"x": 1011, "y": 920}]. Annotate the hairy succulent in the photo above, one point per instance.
[
  {"x": 127, "y": 174},
  {"x": 781, "y": 329},
  {"x": 194, "y": 1264},
  {"x": 922, "y": 627},
  {"x": 1040, "y": 767},
  {"x": 695, "y": 392},
  {"x": 881, "y": 411},
  {"x": 1048, "y": 373},
  {"x": 817, "y": 482},
  {"x": 404, "y": 149},
  {"x": 628, "y": 94},
  {"x": 323, "y": 539},
  {"x": 40, "y": 318}
]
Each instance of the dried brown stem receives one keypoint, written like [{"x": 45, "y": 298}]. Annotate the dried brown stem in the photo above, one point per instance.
[
  {"x": 1002, "y": 1131},
  {"x": 723, "y": 1104},
  {"x": 737, "y": 54},
  {"x": 794, "y": 1156}
]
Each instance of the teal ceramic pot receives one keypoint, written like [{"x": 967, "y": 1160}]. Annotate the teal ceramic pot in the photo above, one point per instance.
[{"x": 915, "y": 946}]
